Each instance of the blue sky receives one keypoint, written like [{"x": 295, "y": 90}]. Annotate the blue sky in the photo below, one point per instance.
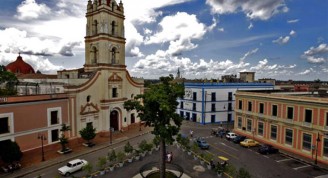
[{"x": 281, "y": 39}]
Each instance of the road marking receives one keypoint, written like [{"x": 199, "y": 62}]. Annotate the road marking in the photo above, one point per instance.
[
  {"x": 301, "y": 167},
  {"x": 284, "y": 160},
  {"x": 40, "y": 175},
  {"x": 266, "y": 156},
  {"x": 233, "y": 156},
  {"x": 229, "y": 146}
]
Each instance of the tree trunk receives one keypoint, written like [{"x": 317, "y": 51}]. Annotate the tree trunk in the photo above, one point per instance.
[{"x": 162, "y": 166}]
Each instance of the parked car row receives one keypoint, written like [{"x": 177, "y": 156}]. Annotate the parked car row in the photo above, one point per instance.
[
  {"x": 11, "y": 167},
  {"x": 247, "y": 142}
]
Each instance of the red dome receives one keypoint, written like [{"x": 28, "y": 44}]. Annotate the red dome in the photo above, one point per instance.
[{"x": 20, "y": 67}]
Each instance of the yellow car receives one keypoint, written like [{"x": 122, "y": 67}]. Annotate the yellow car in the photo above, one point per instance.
[{"x": 249, "y": 143}]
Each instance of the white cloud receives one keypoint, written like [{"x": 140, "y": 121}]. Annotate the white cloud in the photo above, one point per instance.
[
  {"x": 179, "y": 30},
  {"x": 147, "y": 31},
  {"x": 293, "y": 21},
  {"x": 213, "y": 25},
  {"x": 282, "y": 40},
  {"x": 262, "y": 10},
  {"x": 305, "y": 72},
  {"x": 147, "y": 13},
  {"x": 29, "y": 9},
  {"x": 250, "y": 26},
  {"x": 134, "y": 39},
  {"x": 180, "y": 25},
  {"x": 162, "y": 63},
  {"x": 249, "y": 53},
  {"x": 14, "y": 41},
  {"x": 316, "y": 54},
  {"x": 292, "y": 33},
  {"x": 221, "y": 29}
]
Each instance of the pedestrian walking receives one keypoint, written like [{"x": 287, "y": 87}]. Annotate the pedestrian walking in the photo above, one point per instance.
[{"x": 191, "y": 133}]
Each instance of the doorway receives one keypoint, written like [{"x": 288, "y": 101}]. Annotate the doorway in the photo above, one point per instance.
[{"x": 114, "y": 120}]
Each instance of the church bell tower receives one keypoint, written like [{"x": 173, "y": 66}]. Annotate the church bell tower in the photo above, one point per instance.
[{"x": 104, "y": 40}]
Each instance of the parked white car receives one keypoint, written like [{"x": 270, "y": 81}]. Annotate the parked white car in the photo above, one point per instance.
[
  {"x": 231, "y": 135},
  {"x": 72, "y": 167}
]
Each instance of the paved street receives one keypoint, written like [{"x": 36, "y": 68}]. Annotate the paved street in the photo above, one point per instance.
[{"x": 260, "y": 166}]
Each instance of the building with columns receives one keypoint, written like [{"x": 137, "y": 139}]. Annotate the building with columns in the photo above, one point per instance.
[{"x": 93, "y": 94}]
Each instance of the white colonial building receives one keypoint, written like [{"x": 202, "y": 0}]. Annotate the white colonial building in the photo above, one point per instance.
[{"x": 207, "y": 103}]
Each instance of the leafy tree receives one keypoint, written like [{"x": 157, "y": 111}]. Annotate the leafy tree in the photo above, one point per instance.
[
  {"x": 156, "y": 141},
  {"x": 10, "y": 151},
  {"x": 10, "y": 80},
  {"x": 63, "y": 140},
  {"x": 158, "y": 110},
  {"x": 88, "y": 133}
]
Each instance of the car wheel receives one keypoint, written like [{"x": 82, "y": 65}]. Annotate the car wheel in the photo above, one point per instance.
[{"x": 67, "y": 174}]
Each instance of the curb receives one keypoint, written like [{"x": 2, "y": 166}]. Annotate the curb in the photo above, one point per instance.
[
  {"x": 104, "y": 145},
  {"x": 303, "y": 161}
]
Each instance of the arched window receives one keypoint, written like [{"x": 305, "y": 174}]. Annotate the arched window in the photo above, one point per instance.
[
  {"x": 95, "y": 27},
  {"x": 113, "y": 27},
  {"x": 113, "y": 6},
  {"x": 113, "y": 55},
  {"x": 94, "y": 55}
]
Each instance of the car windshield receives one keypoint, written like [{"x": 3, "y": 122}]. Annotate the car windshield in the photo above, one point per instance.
[{"x": 69, "y": 165}]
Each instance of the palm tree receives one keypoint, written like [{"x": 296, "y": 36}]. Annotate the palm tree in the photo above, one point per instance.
[{"x": 63, "y": 140}]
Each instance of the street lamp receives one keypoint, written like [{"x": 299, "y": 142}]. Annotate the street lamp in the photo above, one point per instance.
[
  {"x": 316, "y": 152},
  {"x": 42, "y": 137}
]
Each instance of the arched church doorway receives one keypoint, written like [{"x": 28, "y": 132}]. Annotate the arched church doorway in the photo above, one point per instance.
[{"x": 114, "y": 120}]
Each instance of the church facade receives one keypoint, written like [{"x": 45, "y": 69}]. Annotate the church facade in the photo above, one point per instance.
[
  {"x": 93, "y": 94},
  {"x": 97, "y": 92}
]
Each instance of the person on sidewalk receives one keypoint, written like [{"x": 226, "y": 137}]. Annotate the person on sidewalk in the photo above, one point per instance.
[
  {"x": 191, "y": 133},
  {"x": 171, "y": 156}
]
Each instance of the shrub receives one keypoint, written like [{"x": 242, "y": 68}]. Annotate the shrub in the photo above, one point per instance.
[
  {"x": 143, "y": 145},
  {"x": 101, "y": 163},
  {"x": 120, "y": 156},
  {"x": 128, "y": 148},
  {"x": 112, "y": 156}
]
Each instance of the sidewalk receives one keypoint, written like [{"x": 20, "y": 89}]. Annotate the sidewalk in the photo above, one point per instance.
[{"x": 32, "y": 162}]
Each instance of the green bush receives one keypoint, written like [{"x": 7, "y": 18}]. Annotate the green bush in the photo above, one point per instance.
[
  {"x": 112, "y": 156},
  {"x": 128, "y": 148},
  {"x": 120, "y": 156}
]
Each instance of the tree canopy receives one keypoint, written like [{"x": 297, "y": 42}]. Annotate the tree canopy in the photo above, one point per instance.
[
  {"x": 157, "y": 108},
  {"x": 9, "y": 79},
  {"x": 10, "y": 151},
  {"x": 88, "y": 133}
]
